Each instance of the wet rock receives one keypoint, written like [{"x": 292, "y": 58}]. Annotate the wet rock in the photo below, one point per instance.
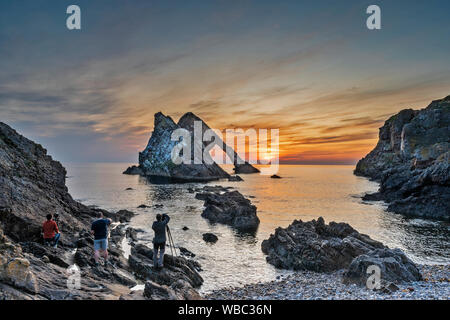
[
  {"x": 137, "y": 295},
  {"x": 315, "y": 246},
  {"x": 412, "y": 162},
  {"x": 85, "y": 242},
  {"x": 185, "y": 252},
  {"x": 155, "y": 291},
  {"x": 211, "y": 189},
  {"x": 394, "y": 265},
  {"x": 185, "y": 228},
  {"x": 245, "y": 168},
  {"x": 373, "y": 197},
  {"x": 230, "y": 208},
  {"x": 133, "y": 170},
  {"x": 186, "y": 290},
  {"x": 124, "y": 277},
  {"x": 235, "y": 178},
  {"x": 210, "y": 237},
  {"x": 84, "y": 257},
  {"x": 123, "y": 216},
  {"x": 173, "y": 267},
  {"x": 132, "y": 234},
  {"x": 275, "y": 176},
  {"x": 129, "y": 189}
]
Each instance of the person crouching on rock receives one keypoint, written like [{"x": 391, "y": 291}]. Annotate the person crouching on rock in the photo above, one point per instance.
[
  {"x": 159, "y": 241},
  {"x": 51, "y": 232},
  {"x": 99, "y": 229}
]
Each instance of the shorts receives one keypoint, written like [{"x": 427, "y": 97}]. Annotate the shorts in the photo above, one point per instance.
[{"x": 100, "y": 244}]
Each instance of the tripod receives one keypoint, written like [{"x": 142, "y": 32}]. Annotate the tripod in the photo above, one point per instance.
[{"x": 171, "y": 243}]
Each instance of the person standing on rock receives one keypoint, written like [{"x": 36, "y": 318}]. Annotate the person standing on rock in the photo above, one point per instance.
[
  {"x": 51, "y": 231},
  {"x": 99, "y": 229},
  {"x": 159, "y": 241}
]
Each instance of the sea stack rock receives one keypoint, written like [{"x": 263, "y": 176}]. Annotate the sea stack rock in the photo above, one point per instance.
[
  {"x": 411, "y": 162},
  {"x": 188, "y": 120},
  {"x": 155, "y": 162}
]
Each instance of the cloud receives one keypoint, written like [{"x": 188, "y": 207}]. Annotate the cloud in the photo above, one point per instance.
[{"x": 315, "y": 81}]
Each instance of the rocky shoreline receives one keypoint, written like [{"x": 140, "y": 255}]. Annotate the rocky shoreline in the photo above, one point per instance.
[
  {"x": 412, "y": 162},
  {"x": 32, "y": 185},
  {"x": 308, "y": 285}
]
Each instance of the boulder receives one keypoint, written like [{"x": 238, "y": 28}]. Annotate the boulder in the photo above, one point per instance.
[
  {"x": 154, "y": 291},
  {"x": 235, "y": 178},
  {"x": 230, "y": 208},
  {"x": 131, "y": 233},
  {"x": 84, "y": 257},
  {"x": 185, "y": 252},
  {"x": 122, "y": 216},
  {"x": 17, "y": 272},
  {"x": 315, "y": 246},
  {"x": 395, "y": 267},
  {"x": 275, "y": 176},
  {"x": 245, "y": 168},
  {"x": 210, "y": 237},
  {"x": 175, "y": 268},
  {"x": 133, "y": 170}
]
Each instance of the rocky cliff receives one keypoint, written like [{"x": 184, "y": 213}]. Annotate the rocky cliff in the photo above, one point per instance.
[
  {"x": 411, "y": 162},
  {"x": 155, "y": 162},
  {"x": 32, "y": 185}
]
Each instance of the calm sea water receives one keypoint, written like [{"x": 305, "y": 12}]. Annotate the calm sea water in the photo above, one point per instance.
[{"x": 305, "y": 192}]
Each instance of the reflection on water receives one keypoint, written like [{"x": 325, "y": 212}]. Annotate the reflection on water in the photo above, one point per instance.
[{"x": 305, "y": 192}]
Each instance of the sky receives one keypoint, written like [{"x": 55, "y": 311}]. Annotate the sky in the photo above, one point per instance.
[{"x": 311, "y": 69}]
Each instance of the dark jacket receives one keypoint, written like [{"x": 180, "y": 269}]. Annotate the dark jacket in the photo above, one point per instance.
[{"x": 160, "y": 229}]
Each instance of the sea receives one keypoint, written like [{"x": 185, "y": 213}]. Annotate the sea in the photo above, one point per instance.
[{"x": 305, "y": 192}]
